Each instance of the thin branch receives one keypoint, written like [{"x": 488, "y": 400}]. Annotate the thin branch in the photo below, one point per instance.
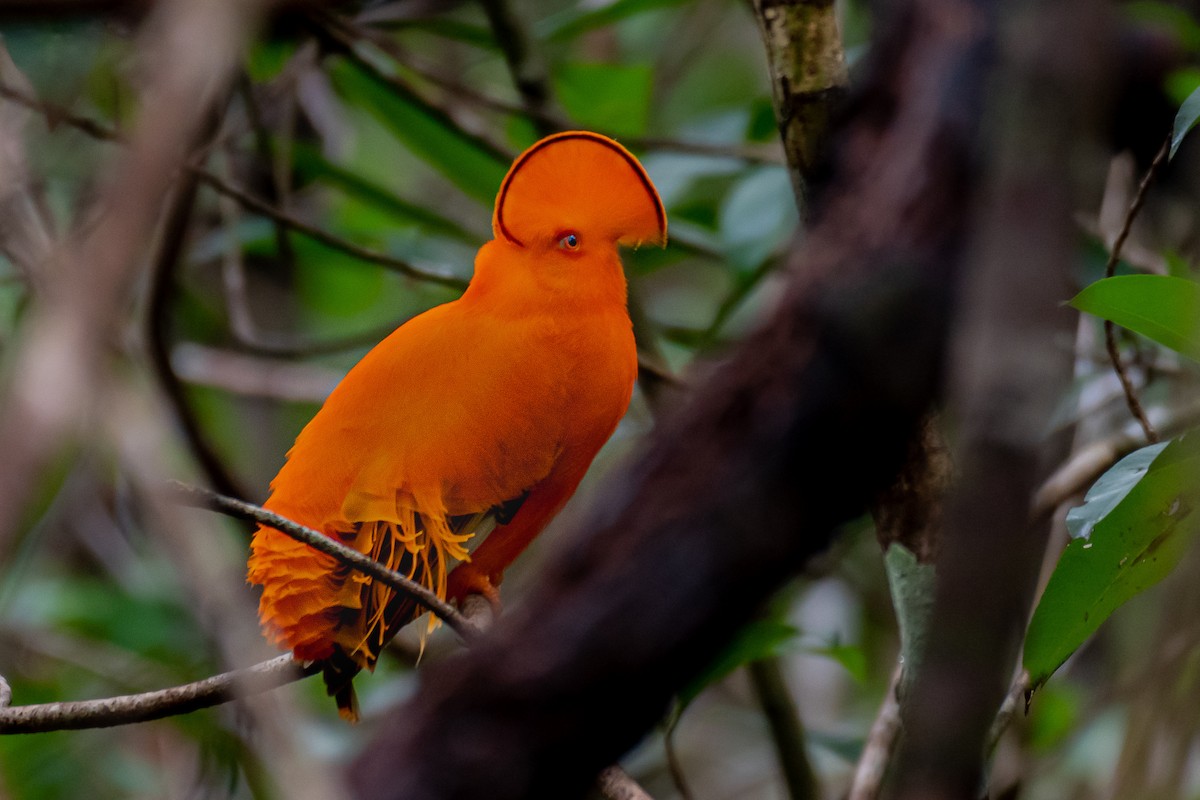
[
  {"x": 880, "y": 744},
  {"x": 171, "y": 248},
  {"x": 1084, "y": 467},
  {"x": 749, "y": 153},
  {"x": 203, "y": 498},
  {"x": 253, "y": 376},
  {"x": 56, "y": 114},
  {"x": 131, "y": 708},
  {"x": 673, "y": 764},
  {"x": 615, "y": 784},
  {"x": 324, "y": 237},
  {"x": 60, "y": 115},
  {"x": 1017, "y": 697},
  {"x": 1110, "y": 333},
  {"x": 342, "y": 35},
  {"x": 528, "y": 71},
  {"x": 787, "y": 731}
]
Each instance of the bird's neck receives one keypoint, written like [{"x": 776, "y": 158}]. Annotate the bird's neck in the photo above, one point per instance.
[{"x": 508, "y": 277}]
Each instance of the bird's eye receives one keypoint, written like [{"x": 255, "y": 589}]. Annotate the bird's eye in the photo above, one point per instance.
[{"x": 569, "y": 242}]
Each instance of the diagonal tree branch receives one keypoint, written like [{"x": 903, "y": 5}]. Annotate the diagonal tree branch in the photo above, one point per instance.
[
  {"x": 52, "y": 379},
  {"x": 146, "y": 706},
  {"x": 739, "y": 486}
]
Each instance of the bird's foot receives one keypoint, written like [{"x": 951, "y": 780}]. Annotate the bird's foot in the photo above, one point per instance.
[{"x": 467, "y": 580}]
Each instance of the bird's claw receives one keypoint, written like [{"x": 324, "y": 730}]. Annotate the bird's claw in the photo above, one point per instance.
[{"x": 467, "y": 580}]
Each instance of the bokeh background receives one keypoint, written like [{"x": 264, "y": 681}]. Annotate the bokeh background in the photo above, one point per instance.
[{"x": 388, "y": 126}]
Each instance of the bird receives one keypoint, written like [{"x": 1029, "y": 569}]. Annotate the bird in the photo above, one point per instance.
[{"x": 454, "y": 441}]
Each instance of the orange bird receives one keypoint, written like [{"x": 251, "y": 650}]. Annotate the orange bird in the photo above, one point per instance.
[{"x": 475, "y": 419}]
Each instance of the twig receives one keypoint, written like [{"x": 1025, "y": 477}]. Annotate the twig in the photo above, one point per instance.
[
  {"x": 673, "y": 764},
  {"x": 1017, "y": 697},
  {"x": 343, "y": 36},
  {"x": 266, "y": 154},
  {"x": 203, "y": 498},
  {"x": 1085, "y": 466},
  {"x": 171, "y": 248},
  {"x": 253, "y": 376},
  {"x": 130, "y": 708},
  {"x": 1110, "y": 267},
  {"x": 615, "y": 784},
  {"x": 324, "y": 237},
  {"x": 56, "y": 115},
  {"x": 527, "y": 70},
  {"x": 787, "y": 732},
  {"x": 880, "y": 744},
  {"x": 751, "y": 154}
]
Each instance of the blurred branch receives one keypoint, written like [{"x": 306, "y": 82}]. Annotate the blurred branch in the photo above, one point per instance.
[
  {"x": 53, "y": 378},
  {"x": 527, "y": 69},
  {"x": 238, "y": 509},
  {"x": 60, "y": 115},
  {"x": 278, "y": 174},
  {"x": 1047, "y": 105},
  {"x": 615, "y": 784},
  {"x": 545, "y": 119},
  {"x": 1110, "y": 267},
  {"x": 131, "y": 708},
  {"x": 324, "y": 237},
  {"x": 787, "y": 731},
  {"x": 880, "y": 744},
  {"x": 344, "y": 37},
  {"x": 27, "y": 229},
  {"x": 171, "y": 247},
  {"x": 808, "y": 79},
  {"x": 674, "y": 765},
  {"x": 1078, "y": 473},
  {"x": 56, "y": 115},
  {"x": 1016, "y": 698},
  {"x": 253, "y": 376}
]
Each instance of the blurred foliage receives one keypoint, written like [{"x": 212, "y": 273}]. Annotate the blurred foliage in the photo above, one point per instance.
[{"x": 398, "y": 145}]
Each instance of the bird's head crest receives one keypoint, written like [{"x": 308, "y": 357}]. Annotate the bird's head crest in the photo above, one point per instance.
[{"x": 583, "y": 182}]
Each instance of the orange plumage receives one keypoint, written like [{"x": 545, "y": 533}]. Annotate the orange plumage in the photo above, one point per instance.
[{"x": 483, "y": 411}]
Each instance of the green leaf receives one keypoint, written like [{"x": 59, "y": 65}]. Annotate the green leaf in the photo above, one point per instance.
[
  {"x": 312, "y": 165},
  {"x": 584, "y": 17},
  {"x": 1185, "y": 120},
  {"x": 851, "y": 657},
  {"x": 1133, "y": 528},
  {"x": 448, "y": 28},
  {"x": 1160, "y": 307},
  {"x": 759, "y": 639},
  {"x": 609, "y": 97},
  {"x": 1112, "y": 487},
  {"x": 470, "y": 163},
  {"x": 757, "y": 217}
]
